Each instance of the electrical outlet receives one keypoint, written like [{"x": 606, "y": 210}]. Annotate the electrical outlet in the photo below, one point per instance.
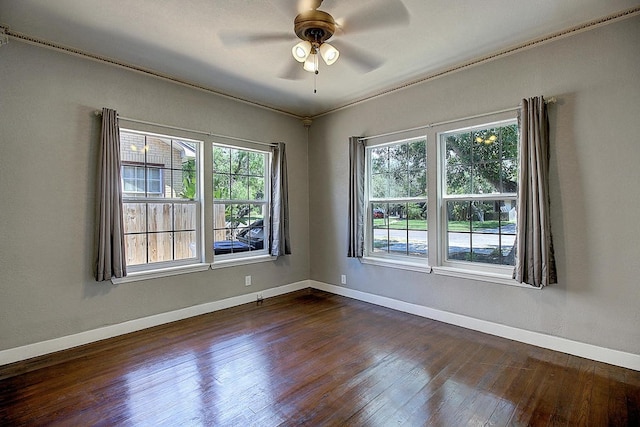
[
  {"x": 247, "y": 280},
  {"x": 343, "y": 279}
]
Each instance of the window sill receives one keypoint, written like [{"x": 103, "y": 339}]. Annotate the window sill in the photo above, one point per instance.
[
  {"x": 502, "y": 279},
  {"x": 399, "y": 264},
  {"x": 242, "y": 261},
  {"x": 161, "y": 272}
]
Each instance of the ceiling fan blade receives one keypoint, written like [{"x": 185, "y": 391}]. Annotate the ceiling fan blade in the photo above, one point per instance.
[
  {"x": 294, "y": 71},
  {"x": 387, "y": 13},
  {"x": 289, "y": 9},
  {"x": 304, "y": 5},
  {"x": 236, "y": 39},
  {"x": 356, "y": 57}
]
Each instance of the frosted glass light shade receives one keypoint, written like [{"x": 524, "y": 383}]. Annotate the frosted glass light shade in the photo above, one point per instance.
[
  {"x": 329, "y": 53},
  {"x": 311, "y": 63},
  {"x": 301, "y": 51}
]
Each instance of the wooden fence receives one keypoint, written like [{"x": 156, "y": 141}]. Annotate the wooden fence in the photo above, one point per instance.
[{"x": 156, "y": 232}]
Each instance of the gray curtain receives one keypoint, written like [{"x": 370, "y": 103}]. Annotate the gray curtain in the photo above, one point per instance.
[
  {"x": 110, "y": 251},
  {"x": 356, "y": 198},
  {"x": 535, "y": 261},
  {"x": 279, "y": 242}
]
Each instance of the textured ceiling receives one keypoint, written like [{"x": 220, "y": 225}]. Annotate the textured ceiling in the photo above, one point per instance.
[{"x": 210, "y": 43}]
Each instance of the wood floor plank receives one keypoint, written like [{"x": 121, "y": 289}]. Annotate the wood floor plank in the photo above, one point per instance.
[
  {"x": 437, "y": 393},
  {"x": 485, "y": 397},
  {"x": 632, "y": 393},
  {"x": 370, "y": 376},
  {"x": 313, "y": 358},
  {"x": 470, "y": 388},
  {"x": 616, "y": 404},
  {"x": 373, "y": 356},
  {"x": 437, "y": 370}
]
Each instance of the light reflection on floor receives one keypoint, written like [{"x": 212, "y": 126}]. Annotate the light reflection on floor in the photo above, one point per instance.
[
  {"x": 164, "y": 388},
  {"x": 167, "y": 391}
]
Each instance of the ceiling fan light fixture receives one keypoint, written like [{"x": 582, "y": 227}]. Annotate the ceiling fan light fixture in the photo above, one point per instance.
[
  {"x": 311, "y": 63},
  {"x": 301, "y": 51},
  {"x": 329, "y": 53}
]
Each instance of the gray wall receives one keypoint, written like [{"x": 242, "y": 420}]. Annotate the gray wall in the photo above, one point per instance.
[
  {"x": 49, "y": 137},
  {"x": 595, "y": 174}
]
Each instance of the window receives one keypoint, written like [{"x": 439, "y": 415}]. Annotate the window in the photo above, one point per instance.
[
  {"x": 396, "y": 188},
  {"x": 161, "y": 203},
  {"x": 135, "y": 182},
  {"x": 240, "y": 202},
  {"x": 479, "y": 182}
]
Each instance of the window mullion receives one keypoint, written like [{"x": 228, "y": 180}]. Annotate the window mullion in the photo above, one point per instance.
[
  {"x": 146, "y": 223},
  {"x": 471, "y": 252},
  {"x": 146, "y": 170},
  {"x": 173, "y": 229},
  {"x": 406, "y": 207}
]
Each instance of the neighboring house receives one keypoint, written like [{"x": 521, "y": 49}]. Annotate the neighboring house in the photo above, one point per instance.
[{"x": 163, "y": 159}]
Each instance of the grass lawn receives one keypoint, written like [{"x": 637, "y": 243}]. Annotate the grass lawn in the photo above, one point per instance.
[
  {"x": 400, "y": 224},
  {"x": 418, "y": 224}
]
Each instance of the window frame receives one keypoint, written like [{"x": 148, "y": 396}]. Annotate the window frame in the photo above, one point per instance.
[
  {"x": 173, "y": 266},
  {"x": 459, "y": 268},
  {"x": 389, "y": 259},
  {"x": 249, "y": 256}
]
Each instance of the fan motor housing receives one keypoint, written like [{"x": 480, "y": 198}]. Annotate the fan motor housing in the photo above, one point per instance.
[{"x": 314, "y": 26}]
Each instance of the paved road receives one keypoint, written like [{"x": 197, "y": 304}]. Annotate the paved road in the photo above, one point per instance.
[{"x": 458, "y": 242}]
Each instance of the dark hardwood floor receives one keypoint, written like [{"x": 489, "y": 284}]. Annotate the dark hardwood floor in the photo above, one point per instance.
[{"x": 313, "y": 358}]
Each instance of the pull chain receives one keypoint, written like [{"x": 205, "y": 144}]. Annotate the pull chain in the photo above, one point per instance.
[
  {"x": 315, "y": 74},
  {"x": 315, "y": 81}
]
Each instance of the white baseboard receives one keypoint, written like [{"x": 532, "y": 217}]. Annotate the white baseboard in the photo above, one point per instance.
[
  {"x": 589, "y": 351},
  {"x": 63, "y": 343},
  {"x": 576, "y": 348}
]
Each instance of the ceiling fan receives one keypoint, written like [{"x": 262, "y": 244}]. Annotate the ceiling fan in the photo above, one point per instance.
[{"x": 315, "y": 27}]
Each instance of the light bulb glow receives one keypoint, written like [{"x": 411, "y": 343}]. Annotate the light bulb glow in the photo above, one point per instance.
[
  {"x": 301, "y": 51},
  {"x": 311, "y": 63},
  {"x": 487, "y": 141},
  {"x": 329, "y": 53}
]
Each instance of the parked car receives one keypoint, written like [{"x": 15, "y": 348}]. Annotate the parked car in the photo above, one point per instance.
[
  {"x": 250, "y": 238},
  {"x": 253, "y": 235},
  {"x": 378, "y": 213}
]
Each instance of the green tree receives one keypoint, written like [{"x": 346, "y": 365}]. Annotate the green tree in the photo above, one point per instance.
[
  {"x": 239, "y": 177},
  {"x": 189, "y": 183},
  {"x": 483, "y": 161},
  {"x": 399, "y": 171}
]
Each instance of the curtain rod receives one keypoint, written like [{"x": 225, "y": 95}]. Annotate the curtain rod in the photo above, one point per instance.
[
  {"x": 144, "y": 122},
  {"x": 551, "y": 100}
]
